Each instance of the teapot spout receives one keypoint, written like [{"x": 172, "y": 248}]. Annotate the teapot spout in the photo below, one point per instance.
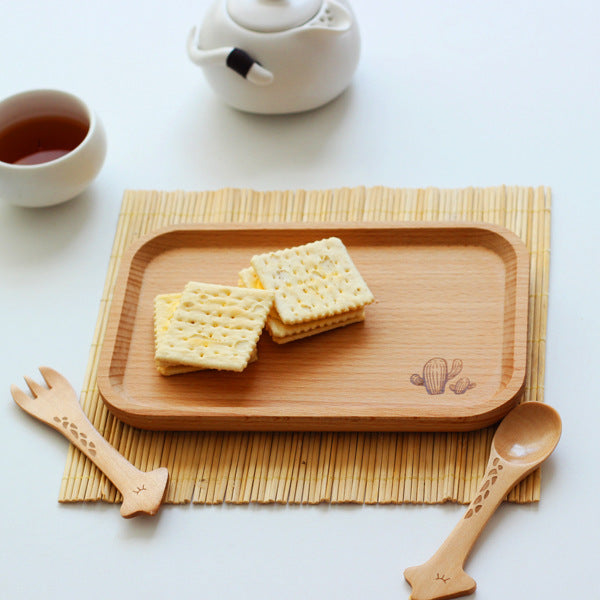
[{"x": 236, "y": 59}]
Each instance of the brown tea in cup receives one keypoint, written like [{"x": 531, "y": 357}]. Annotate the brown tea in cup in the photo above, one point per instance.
[
  {"x": 52, "y": 146},
  {"x": 41, "y": 139}
]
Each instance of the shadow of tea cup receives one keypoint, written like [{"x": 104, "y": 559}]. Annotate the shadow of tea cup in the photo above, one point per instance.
[{"x": 52, "y": 146}]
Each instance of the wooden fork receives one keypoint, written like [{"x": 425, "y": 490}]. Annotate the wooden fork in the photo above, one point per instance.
[{"x": 57, "y": 405}]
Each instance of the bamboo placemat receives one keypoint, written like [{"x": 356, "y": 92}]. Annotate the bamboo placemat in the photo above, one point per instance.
[{"x": 309, "y": 468}]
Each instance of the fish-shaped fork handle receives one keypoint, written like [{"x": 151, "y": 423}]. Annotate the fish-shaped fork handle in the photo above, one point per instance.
[{"x": 57, "y": 405}]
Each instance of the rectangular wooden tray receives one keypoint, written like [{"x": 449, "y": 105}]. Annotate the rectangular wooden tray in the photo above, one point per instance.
[{"x": 443, "y": 347}]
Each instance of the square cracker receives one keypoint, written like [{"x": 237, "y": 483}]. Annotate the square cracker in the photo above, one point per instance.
[
  {"x": 164, "y": 309},
  {"x": 312, "y": 281},
  {"x": 282, "y": 333},
  {"x": 214, "y": 327},
  {"x": 247, "y": 278}
]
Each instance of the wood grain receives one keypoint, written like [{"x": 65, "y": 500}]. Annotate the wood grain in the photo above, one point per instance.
[{"x": 443, "y": 348}]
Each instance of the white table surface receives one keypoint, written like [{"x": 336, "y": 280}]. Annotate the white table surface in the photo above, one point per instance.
[{"x": 447, "y": 94}]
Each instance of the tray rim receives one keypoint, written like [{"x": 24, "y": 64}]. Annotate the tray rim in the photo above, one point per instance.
[{"x": 505, "y": 398}]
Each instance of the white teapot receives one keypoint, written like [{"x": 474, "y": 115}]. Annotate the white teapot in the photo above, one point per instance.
[{"x": 277, "y": 56}]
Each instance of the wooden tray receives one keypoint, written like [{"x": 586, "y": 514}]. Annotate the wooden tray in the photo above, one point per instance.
[{"x": 449, "y": 297}]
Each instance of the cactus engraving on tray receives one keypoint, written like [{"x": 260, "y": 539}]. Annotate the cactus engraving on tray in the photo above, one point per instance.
[
  {"x": 462, "y": 385},
  {"x": 441, "y": 577},
  {"x": 436, "y": 375},
  {"x": 73, "y": 430},
  {"x": 139, "y": 489},
  {"x": 484, "y": 491}
]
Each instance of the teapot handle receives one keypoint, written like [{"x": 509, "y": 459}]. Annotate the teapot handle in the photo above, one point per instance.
[{"x": 235, "y": 58}]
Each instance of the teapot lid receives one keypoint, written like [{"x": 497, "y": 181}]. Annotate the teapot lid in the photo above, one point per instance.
[{"x": 269, "y": 16}]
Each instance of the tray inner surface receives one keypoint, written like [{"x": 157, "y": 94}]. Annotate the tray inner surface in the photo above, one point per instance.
[{"x": 441, "y": 293}]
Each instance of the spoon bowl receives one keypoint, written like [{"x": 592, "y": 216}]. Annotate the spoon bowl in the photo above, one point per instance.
[{"x": 528, "y": 434}]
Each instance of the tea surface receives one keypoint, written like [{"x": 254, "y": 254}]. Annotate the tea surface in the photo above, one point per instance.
[{"x": 40, "y": 139}]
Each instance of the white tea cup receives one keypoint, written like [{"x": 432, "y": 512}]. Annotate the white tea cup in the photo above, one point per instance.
[{"x": 52, "y": 145}]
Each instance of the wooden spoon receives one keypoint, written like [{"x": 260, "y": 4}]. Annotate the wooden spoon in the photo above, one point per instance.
[{"x": 524, "y": 439}]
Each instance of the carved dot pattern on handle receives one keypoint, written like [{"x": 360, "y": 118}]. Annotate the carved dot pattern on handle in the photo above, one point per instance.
[
  {"x": 490, "y": 480},
  {"x": 72, "y": 427}
]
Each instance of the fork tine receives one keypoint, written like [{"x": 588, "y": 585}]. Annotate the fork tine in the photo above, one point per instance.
[
  {"x": 52, "y": 377},
  {"x": 36, "y": 388},
  {"x": 20, "y": 397}
]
